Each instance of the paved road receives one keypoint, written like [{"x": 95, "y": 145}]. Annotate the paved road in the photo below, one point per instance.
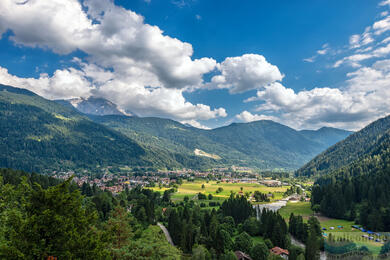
[{"x": 166, "y": 233}]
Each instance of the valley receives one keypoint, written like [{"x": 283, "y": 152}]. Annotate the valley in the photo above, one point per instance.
[{"x": 213, "y": 190}]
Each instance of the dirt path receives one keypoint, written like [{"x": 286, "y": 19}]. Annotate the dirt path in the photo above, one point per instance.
[{"x": 166, "y": 233}]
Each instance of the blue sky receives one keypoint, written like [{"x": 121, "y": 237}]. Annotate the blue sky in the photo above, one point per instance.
[{"x": 306, "y": 63}]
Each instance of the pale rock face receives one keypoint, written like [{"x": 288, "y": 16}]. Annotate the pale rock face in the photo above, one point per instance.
[{"x": 97, "y": 106}]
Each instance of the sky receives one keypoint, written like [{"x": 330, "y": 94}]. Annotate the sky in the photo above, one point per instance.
[{"x": 208, "y": 63}]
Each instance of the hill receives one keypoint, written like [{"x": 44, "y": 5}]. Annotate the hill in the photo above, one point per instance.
[
  {"x": 354, "y": 147},
  {"x": 37, "y": 134},
  {"x": 359, "y": 191},
  {"x": 263, "y": 144},
  {"x": 41, "y": 134}
]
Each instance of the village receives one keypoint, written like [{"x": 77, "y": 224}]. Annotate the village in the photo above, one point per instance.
[{"x": 117, "y": 181}]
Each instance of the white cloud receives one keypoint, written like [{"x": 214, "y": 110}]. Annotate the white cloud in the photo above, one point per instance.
[
  {"x": 382, "y": 25},
  {"x": 66, "y": 83},
  {"x": 385, "y": 2},
  {"x": 246, "y": 117},
  {"x": 364, "y": 98},
  {"x": 324, "y": 50},
  {"x": 116, "y": 38},
  {"x": 310, "y": 59},
  {"x": 195, "y": 123},
  {"x": 247, "y": 72},
  {"x": 129, "y": 62},
  {"x": 71, "y": 83}
]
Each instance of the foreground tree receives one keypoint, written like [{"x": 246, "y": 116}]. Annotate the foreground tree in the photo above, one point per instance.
[
  {"x": 52, "y": 222},
  {"x": 259, "y": 252}
]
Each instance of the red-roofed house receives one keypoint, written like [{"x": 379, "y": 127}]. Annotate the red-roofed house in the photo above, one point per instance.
[{"x": 280, "y": 252}]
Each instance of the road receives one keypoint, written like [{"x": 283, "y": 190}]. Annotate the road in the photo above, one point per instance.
[{"x": 166, "y": 233}]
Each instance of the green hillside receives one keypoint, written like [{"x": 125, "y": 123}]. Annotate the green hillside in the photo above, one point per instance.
[
  {"x": 262, "y": 144},
  {"x": 37, "y": 134},
  {"x": 359, "y": 191},
  {"x": 355, "y": 147}
]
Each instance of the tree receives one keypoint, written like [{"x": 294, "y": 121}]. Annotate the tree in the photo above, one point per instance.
[
  {"x": 200, "y": 252},
  {"x": 259, "y": 252},
  {"x": 118, "y": 228},
  {"x": 312, "y": 245},
  {"x": 243, "y": 243},
  {"x": 251, "y": 226},
  {"x": 229, "y": 256},
  {"x": 223, "y": 242},
  {"x": 151, "y": 245},
  {"x": 53, "y": 222},
  {"x": 175, "y": 227}
]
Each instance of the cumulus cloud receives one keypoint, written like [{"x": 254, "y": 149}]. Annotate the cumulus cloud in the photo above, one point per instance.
[
  {"x": 247, "y": 72},
  {"x": 128, "y": 61},
  {"x": 113, "y": 37},
  {"x": 64, "y": 84},
  {"x": 247, "y": 117},
  {"x": 364, "y": 98},
  {"x": 71, "y": 83}
]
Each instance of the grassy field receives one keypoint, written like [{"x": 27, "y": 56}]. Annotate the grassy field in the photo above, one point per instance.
[
  {"x": 190, "y": 189},
  {"x": 303, "y": 209}
]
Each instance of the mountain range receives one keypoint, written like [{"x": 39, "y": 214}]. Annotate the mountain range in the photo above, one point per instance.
[
  {"x": 350, "y": 151},
  {"x": 40, "y": 134}
]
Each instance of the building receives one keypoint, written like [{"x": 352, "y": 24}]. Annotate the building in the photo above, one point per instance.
[
  {"x": 271, "y": 183},
  {"x": 280, "y": 252}
]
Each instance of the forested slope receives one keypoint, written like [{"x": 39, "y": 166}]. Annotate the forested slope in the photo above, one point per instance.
[{"x": 354, "y": 147}]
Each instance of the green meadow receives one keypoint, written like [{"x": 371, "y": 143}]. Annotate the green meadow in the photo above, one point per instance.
[
  {"x": 347, "y": 232},
  {"x": 191, "y": 188}
]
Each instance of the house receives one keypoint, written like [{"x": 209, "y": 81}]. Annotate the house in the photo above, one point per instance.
[
  {"x": 242, "y": 256},
  {"x": 280, "y": 252}
]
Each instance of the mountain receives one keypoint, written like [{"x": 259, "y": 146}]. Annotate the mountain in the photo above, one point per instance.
[
  {"x": 263, "y": 144},
  {"x": 37, "y": 134},
  {"x": 41, "y": 134},
  {"x": 358, "y": 189},
  {"x": 94, "y": 106},
  {"x": 327, "y": 136},
  {"x": 353, "y": 148}
]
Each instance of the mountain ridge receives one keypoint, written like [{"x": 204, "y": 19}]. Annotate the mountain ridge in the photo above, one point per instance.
[{"x": 164, "y": 142}]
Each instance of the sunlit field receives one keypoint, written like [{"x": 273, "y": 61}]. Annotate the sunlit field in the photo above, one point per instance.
[
  {"x": 347, "y": 232},
  {"x": 190, "y": 189}
]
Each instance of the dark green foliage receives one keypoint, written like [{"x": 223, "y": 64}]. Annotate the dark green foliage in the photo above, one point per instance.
[
  {"x": 298, "y": 228},
  {"x": 353, "y": 148},
  {"x": 200, "y": 252},
  {"x": 259, "y": 252},
  {"x": 50, "y": 222},
  {"x": 264, "y": 144},
  {"x": 260, "y": 197},
  {"x": 314, "y": 239},
  {"x": 294, "y": 252},
  {"x": 37, "y": 222},
  {"x": 385, "y": 248},
  {"x": 360, "y": 189},
  {"x": 251, "y": 226},
  {"x": 273, "y": 226},
  {"x": 37, "y": 134},
  {"x": 356, "y": 187},
  {"x": 238, "y": 207},
  {"x": 243, "y": 242}
]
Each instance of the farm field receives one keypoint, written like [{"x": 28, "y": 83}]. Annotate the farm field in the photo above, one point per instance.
[
  {"x": 190, "y": 189},
  {"x": 303, "y": 209}
]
